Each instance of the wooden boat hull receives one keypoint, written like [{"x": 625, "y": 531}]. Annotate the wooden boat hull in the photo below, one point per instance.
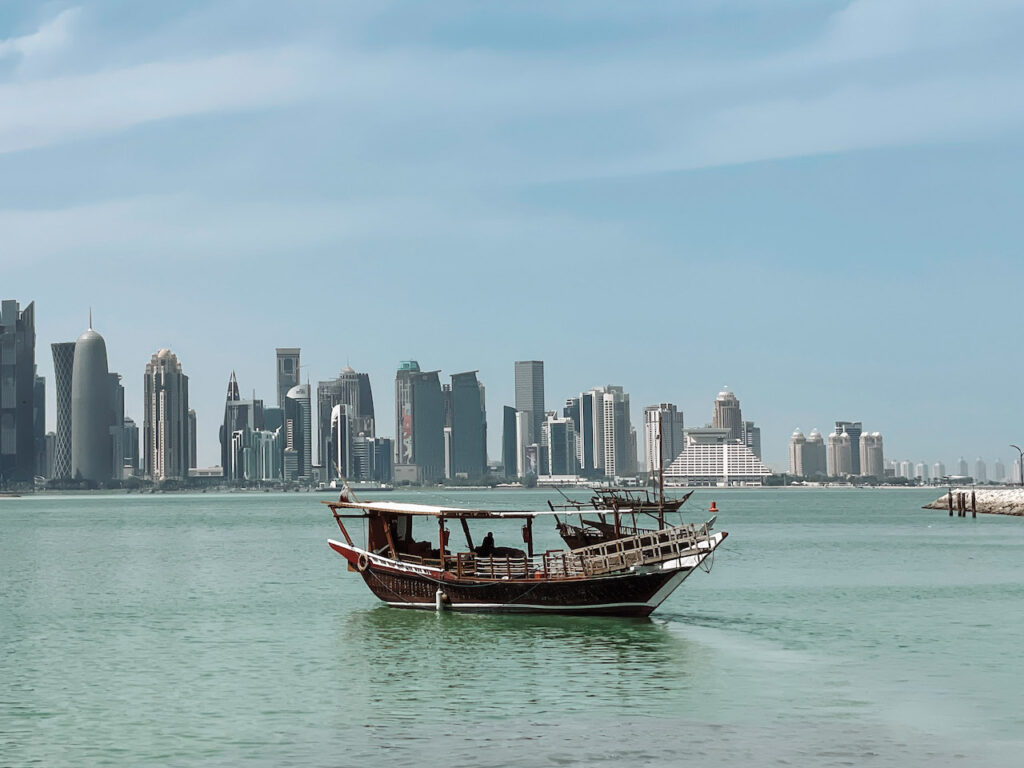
[{"x": 635, "y": 593}]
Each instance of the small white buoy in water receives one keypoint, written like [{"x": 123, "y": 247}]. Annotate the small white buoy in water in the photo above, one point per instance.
[{"x": 439, "y": 599}]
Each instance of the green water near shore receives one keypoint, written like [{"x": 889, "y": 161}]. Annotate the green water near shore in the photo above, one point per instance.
[{"x": 837, "y": 627}]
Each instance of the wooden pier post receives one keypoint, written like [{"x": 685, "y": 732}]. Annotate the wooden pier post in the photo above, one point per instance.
[
  {"x": 949, "y": 498},
  {"x": 974, "y": 505}
]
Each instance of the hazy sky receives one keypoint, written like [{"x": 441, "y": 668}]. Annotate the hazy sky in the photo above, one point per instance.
[{"x": 818, "y": 204}]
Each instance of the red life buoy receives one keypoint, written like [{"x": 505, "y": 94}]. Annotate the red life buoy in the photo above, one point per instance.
[{"x": 363, "y": 562}]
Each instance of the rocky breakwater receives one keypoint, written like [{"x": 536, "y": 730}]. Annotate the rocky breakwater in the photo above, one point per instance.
[{"x": 995, "y": 501}]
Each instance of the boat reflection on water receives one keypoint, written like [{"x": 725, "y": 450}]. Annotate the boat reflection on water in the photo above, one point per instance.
[{"x": 402, "y": 664}]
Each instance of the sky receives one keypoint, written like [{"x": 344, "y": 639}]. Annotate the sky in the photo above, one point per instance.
[{"x": 815, "y": 203}]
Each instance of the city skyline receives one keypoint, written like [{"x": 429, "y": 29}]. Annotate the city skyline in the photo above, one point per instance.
[
  {"x": 762, "y": 165},
  {"x": 494, "y": 414}
]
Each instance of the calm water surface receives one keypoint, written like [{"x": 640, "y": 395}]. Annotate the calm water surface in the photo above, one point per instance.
[{"x": 837, "y": 627}]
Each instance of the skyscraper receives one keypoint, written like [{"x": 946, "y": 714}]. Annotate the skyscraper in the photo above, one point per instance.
[
  {"x": 815, "y": 462},
  {"x": 980, "y": 471},
  {"x": 351, "y": 389},
  {"x": 130, "y": 461},
  {"x": 192, "y": 440},
  {"x": 921, "y": 471},
  {"x": 619, "y": 454},
  {"x": 166, "y": 422},
  {"x": 752, "y": 438},
  {"x": 559, "y": 436},
  {"x": 668, "y": 420},
  {"x": 797, "y": 442},
  {"x": 961, "y": 467},
  {"x": 938, "y": 470},
  {"x": 298, "y": 430},
  {"x": 287, "y": 372},
  {"x": 872, "y": 460},
  {"x": 840, "y": 463},
  {"x": 999, "y": 471},
  {"x": 853, "y": 430},
  {"x": 18, "y": 439},
  {"x": 727, "y": 414},
  {"x": 530, "y": 394},
  {"x": 469, "y": 427},
  {"x": 63, "y": 366},
  {"x": 92, "y": 410},
  {"x": 419, "y": 424},
  {"x": 508, "y": 441}
]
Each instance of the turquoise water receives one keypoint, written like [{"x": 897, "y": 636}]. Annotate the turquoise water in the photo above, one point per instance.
[{"x": 837, "y": 627}]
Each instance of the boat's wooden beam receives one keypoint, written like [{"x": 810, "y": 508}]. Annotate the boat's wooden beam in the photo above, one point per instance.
[{"x": 465, "y": 529}]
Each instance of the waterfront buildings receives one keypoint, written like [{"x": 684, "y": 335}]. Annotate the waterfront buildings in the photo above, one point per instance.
[
  {"x": 63, "y": 366},
  {"x": 853, "y": 430},
  {"x": 353, "y": 390},
  {"x": 468, "y": 427},
  {"x": 938, "y": 470},
  {"x": 665, "y": 420},
  {"x": 797, "y": 442},
  {"x": 298, "y": 434},
  {"x": 712, "y": 457},
  {"x": 419, "y": 424},
  {"x": 619, "y": 438},
  {"x": 529, "y": 384},
  {"x": 752, "y": 437},
  {"x": 131, "y": 446},
  {"x": 166, "y": 422},
  {"x": 192, "y": 432},
  {"x": 999, "y": 471},
  {"x": 558, "y": 457},
  {"x": 727, "y": 414},
  {"x": 19, "y": 443},
  {"x": 980, "y": 471},
  {"x": 97, "y": 412},
  {"x": 961, "y": 467},
  {"x": 921, "y": 471},
  {"x": 509, "y": 460},
  {"x": 287, "y": 372},
  {"x": 840, "y": 459},
  {"x": 872, "y": 459},
  {"x": 906, "y": 469}
]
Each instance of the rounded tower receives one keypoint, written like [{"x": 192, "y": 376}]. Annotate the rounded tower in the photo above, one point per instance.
[{"x": 91, "y": 410}]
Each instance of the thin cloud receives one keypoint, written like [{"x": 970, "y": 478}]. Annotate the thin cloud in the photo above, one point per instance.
[
  {"x": 37, "y": 113},
  {"x": 51, "y": 36}
]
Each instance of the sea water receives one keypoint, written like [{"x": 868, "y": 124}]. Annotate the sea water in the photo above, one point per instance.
[{"x": 836, "y": 627}]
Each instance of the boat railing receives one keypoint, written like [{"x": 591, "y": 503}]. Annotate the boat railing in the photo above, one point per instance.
[
  {"x": 553, "y": 564},
  {"x": 644, "y": 549}
]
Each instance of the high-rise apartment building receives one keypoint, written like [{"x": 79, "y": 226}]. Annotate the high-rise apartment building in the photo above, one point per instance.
[
  {"x": 530, "y": 394},
  {"x": 287, "y": 372},
  {"x": 193, "y": 455},
  {"x": 727, "y": 414},
  {"x": 419, "y": 424},
  {"x": 130, "y": 460},
  {"x": 663, "y": 436},
  {"x": 961, "y": 467},
  {"x": 921, "y": 471},
  {"x": 508, "y": 441},
  {"x": 840, "y": 460},
  {"x": 980, "y": 471},
  {"x": 938, "y": 470},
  {"x": 298, "y": 432},
  {"x": 872, "y": 459},
  {"x": 351, "y": 389},
  {"x": 618, "y": 442},
  {"x": 815, "y": 461},
  {"x": 559, "y": 437},
  {"x": 752, "y": 438},
  {"x": 999, "y": 471},
  {"x": 63, "y": 366},
  {"x": 95, "y": 421},
  {"x": 797, "y": 442},
  {"x": 165, "y": 424},
  {"x": 853, "y": 430},
  {"x": 18, "y": 438},
  {"x": 468, "y": 427}
]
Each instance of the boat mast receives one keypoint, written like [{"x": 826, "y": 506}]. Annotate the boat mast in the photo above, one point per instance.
[{"x": 661, "y": 475}]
